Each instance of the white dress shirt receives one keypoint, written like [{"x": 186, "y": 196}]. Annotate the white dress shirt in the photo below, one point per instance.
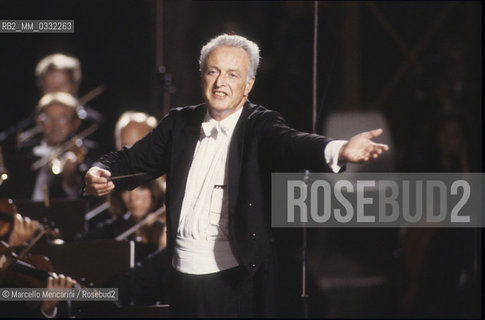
[{"x": 44, "y": 177}]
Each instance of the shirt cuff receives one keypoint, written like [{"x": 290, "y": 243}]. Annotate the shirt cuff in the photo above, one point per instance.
[{"x": 331, "y": 154}]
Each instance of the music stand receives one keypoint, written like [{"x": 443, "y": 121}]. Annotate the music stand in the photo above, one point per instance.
[
  {"x": 96, "y": 260},
  {"x": 66, "y": 214}
]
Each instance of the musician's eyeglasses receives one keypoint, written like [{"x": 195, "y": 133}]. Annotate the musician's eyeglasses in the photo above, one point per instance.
[{"x": 49, "y": 119}]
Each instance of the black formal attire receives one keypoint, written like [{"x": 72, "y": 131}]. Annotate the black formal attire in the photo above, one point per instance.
[{"x": 262, "y": 143}]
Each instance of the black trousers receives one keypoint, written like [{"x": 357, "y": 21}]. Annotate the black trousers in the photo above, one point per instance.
[{"x": 227, "y": 294}]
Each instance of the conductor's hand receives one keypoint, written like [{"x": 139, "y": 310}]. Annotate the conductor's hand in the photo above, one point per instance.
[
  {"x": 97, "y": 183},
  {"x": 360, "y": 148}
]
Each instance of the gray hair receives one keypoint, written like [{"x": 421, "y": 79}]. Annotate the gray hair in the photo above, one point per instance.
[
  {"x": 59, "y": 61},
  {"x": 234, "y": 41},
  {"x": 132, "y": 116},
  {"x": 63, "y": 98}
]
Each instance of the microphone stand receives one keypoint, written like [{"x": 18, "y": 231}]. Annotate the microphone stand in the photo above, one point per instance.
[{"x": 304, "y": 294}]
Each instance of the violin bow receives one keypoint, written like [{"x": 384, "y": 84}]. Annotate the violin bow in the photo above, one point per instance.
[
  {"x": 47, "y": 159},
  {"x": 140, "y": 224}
]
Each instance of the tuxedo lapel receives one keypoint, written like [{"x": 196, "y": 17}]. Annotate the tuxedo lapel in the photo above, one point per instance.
[
  {"x": 236, "y": 152},
  {"x": 185, "y": 138}
]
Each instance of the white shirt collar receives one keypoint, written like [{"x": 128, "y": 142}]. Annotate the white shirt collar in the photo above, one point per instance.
[
  {"x": 226, "y": 125},
  {"x": 42, "y": 149}
]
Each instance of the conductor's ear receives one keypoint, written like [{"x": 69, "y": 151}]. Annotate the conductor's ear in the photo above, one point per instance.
[{"x": 249, "y": 86}]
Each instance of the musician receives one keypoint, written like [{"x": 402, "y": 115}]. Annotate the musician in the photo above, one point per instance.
[
  {"x": 146, "y": 284},
  {"x": 44, "y": 309},
  {"x": 58, "y": 72},
  {"x": 130, "y": 207},
  {"x": 23, "y": 230},
  {"x": 131, "y": 127},
  {"x": 56, "y": 116},
  {"x": 62, "y": 73},
  {"x": 127, "y": 209},
  {"x": 218, "y": 157}
]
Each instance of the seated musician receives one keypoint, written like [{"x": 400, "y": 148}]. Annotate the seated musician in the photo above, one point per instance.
[
  {"x": 61, "y": 173},
  {"x": 130, "y": 207},
  {"x": 59, "y": 72},
  {"x": 23, "y": 230},
  {"x": 145, "y": 284},
  {"x": 131, "y": 127}
]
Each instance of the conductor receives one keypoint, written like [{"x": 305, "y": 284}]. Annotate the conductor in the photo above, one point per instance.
[{"x": 218, "y": 157}]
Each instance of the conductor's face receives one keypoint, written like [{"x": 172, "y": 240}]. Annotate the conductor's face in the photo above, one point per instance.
[{"x": 224, "y": 84}]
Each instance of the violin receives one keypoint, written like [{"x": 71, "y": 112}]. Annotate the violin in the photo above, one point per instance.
[
  {"x": 24, "y": 270},
  {"x": 30, "y": 271},
  {"x": 71, "y": 148},
  {"x": 75, "y": 154}
]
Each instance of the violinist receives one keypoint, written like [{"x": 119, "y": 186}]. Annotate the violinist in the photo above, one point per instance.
[
  {"x": 131, "y": 127},
  {"x": 129, "y": 207},
  {"x": 16, "y": 231},
  {"x": 58, "y": 72},
  {"x": 54, "y": 73},
  {"x": 147, "y": 283},
  {"x": 61, "y": 156}
]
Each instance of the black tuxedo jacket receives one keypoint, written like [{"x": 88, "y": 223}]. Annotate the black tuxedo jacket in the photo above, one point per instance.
[{"x": 262, "y": 143}]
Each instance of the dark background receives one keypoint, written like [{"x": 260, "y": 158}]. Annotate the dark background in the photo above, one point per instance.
[
  {"x": 357, "y": 56},
  {"x": 115, "y": 42}
]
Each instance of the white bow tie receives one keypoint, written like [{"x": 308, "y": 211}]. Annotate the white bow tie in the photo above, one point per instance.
[
  {"x": 43, "y": 150},
  {"x": 213, "y": 127}
]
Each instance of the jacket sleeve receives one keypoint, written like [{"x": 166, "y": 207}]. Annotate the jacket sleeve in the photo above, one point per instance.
[
  {"x": 293, "y": 149},
  {"x": 149, "y": 155}
]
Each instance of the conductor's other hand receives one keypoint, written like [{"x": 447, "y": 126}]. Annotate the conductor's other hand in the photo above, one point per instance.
[
  {"x": 97, "y": 182},
  {"x": 360, "y": 148}
]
